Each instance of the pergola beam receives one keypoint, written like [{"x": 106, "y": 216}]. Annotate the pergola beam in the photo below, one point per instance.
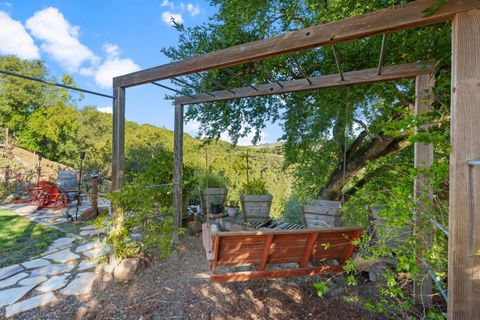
[
  {"x": 402, "y": 71},
  {"x": 402, "y": 17}
]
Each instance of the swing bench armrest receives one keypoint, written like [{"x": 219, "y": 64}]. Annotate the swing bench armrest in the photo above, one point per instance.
[{"x": 207, "y": 241}]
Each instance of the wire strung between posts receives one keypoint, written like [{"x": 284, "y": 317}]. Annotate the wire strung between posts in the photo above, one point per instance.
[
  {"x": 192, "y": 86},
  {"x": 13, "y": 74},
  {"x": 245, "y": 83},
  {"x": 174, "y": 90},
  {"x": 302, "y": 71},
  {"x": 382, "y": 51}
]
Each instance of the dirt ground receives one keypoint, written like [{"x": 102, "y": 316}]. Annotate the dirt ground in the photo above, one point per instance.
[{"x": 178, "y": 288}]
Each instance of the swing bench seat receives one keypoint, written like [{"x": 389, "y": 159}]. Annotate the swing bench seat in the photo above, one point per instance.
[{"x": 310, "y": 251}]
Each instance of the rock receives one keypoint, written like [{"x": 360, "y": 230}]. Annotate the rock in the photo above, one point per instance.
[
  {"x": 82, "y": 284},
  {"x": 36, "y": 263},
  {"x": 62, "y": 242},
  {"x": 194, "y": 227},
  {"x": 32, "y": 280},
  {"x": 125, "y": 271},
  {"x": 10, "y": 296},
  {"x": 52, "y": 270},
  {"x": 88, "y": 214},
  {"x": 90, "y": 232},
  {"x": 62, "y": 256},
  {"x": 93, "y": 254},
  {"x": 107, "y": 277},
  {"x": 84, "y": 265},
  {"x": 54, "y": 283},
  {"x": 9, "y": 198},
  {"x": 10, "y": 271},
  {"x": 35, "y": 302},
  {"x": 13, "y": 280},
  {"x": 89, "y": 227},
  {"x": 88, "y": 246}
]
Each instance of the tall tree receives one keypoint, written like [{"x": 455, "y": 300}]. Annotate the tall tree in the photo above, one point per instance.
[{"x": 321, "y": 127}]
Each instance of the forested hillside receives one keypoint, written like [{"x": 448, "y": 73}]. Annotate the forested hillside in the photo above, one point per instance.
[{"x": 47, "y": 120}]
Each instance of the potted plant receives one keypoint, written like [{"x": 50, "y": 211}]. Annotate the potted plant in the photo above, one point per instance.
[
  {"x": 255, "y": 200},
  {"x": 213, "y": 192},
  {"x": 232, "y": 208}
]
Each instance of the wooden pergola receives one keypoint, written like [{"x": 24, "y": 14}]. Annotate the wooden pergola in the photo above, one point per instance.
[{"x": 464, "y": 211}]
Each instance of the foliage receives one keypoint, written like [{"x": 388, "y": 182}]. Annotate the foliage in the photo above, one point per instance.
[
  {"x": 321, "y": 288},
  {"x": 22, "y": 239},
  {"x": 254, "y": 187},
  {"x": 293, "y": 211},
  {"x": 322, "y": 126},
  {"x": 211, "y": 180}
]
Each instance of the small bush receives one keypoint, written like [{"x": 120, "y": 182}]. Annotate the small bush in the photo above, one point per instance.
[
  {"x": 255, "y": 187},
  {"x": 211, "y": 180},
  {"x": 293, "y": 211}
]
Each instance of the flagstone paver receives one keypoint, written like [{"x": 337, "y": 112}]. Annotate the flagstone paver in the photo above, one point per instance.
[
  {"x": 12, "y": 280},
  {"x": 88, "y": 246},
  {"x": 61, "y": 242},
  {"x": 62, "y": 256},
  {"x": 54, "y": 283},
  {"x": 52, "y": 270},
  {"x": 85, "y": 265},
  {"x": 10, "y": 271},
  {"x": 90, "y": 232},
  {"x": 82, "y": 284},
  {"x": 12, "y": 295},
  {"x": 28, "y": 304},
  {"x": 33, "y": 280},
  {"x": 36, "y": 263}
]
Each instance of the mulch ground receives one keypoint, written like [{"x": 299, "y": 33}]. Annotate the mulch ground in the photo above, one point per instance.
[{"x": 178, "y": 288}]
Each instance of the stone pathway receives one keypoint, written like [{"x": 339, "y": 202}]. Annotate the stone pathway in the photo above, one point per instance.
[{"x": 68, "y": 267}]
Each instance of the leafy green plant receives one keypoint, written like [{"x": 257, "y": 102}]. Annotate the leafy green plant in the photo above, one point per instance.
[
  {"x": 293, "y": 211},
  {"x": 208, "y": 179},
  {"x": 255, "y": 187},
  {"x": 321, "y": 287}
]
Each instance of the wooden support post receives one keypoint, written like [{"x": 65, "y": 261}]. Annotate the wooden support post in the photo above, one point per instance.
[
  {"x": 118, "y": 155},
  {"x": 94, "y": 194},
  {"x": 177, "y": 169},
  {"x": 423, "y": 193},
  {"x": 118, "y": 137},
  {"x": 464, "y": 215}
]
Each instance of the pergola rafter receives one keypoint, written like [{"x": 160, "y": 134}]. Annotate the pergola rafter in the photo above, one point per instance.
[
  {"x": 464, "y": 211},
  {"x": 403, "y": 71}
]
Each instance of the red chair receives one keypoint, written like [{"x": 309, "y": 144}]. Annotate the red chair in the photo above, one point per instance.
[{"x": 49, "y": 195}]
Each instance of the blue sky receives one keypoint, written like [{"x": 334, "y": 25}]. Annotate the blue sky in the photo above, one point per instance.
[{"x": 95, "y": 40}]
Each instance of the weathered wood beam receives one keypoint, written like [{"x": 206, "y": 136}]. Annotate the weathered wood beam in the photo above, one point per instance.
[
  {"x": 402, "y": 71},
  {"x": 118, "y": 139},
  {"x": 402, "y": 17},
  {"x": 464, "y": 215},
  {"x": 423, "y": 194},
  {"x": 177, "y": 169}
]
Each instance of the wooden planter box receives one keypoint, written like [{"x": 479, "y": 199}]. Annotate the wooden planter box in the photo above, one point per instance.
[
  {"x": 215, "y": 196},
  {"x": 256, "y": 208},
  {"x": 321, "y": 214}
]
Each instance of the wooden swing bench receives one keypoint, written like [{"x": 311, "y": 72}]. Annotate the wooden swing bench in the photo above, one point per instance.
[{"x": 313, "y": 251}]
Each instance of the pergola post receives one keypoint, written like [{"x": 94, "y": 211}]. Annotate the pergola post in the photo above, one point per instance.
[
  {"x": 118, "y": 139},
  {"x": 464, "y": 216},
  {"x": 423, "y": 193},
  {"x": 177, "y": 169}
]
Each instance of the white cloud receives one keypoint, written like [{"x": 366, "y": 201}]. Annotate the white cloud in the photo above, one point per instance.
[
  {"x": 107, "y": 109},
  {"x": 113, "y": 66},
  {"x": 167, "y": 17},
  {"x": 60, "y": 39},
  {"x": 194, "y": 9},
  {"x": 192, "y": 127},
  {"x": 15, "y": 40}
]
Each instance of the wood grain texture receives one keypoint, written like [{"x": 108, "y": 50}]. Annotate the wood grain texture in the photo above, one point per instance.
[
  {"x": 118, "y": 138},
  {"x": 409, "y": 70},
  {"x": 464, "y": 217},
  {"x": 177, "y": 169},
  {"x": 423, "y": 194},
  {"x": 401, "y": 17}
]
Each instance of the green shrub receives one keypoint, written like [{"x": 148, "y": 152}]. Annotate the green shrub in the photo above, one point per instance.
[
  {"x": 293, "y": 211},
  {"x": 209, "y": 179},
  {"x": 255, "y": 187}
]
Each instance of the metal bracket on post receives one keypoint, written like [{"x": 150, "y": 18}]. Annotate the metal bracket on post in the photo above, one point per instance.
[{"x": 471, "y": 248}]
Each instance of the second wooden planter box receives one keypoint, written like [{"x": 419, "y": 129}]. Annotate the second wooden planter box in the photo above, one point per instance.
[{"x": 256, "y": 208}]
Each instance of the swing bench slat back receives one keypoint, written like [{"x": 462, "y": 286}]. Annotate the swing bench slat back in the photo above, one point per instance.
[{"x": 306, "y": 248}]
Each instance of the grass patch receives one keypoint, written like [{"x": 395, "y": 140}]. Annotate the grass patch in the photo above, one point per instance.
[{"x": 21, "y": 238}]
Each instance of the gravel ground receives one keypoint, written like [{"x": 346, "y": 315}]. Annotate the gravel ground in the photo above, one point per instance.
[{"x": 179, "y": 288}]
